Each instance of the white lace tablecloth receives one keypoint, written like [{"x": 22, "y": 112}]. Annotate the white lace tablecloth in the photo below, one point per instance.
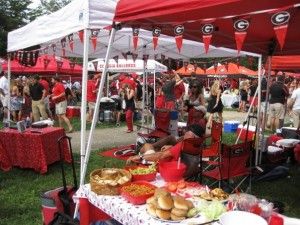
[{"x": 229, "y": 99}]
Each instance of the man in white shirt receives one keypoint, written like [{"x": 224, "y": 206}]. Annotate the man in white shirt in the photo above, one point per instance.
[
  {"x": 4, "y": 89},
  {"x": 295, "y": 103}
]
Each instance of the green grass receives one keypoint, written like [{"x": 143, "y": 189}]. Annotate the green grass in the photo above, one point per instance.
[{"x": 20, "y": 189}]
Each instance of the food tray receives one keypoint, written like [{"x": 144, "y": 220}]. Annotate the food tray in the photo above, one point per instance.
[
  {"x": 141, "y": 177},
  {"x": 137, "y": 200}
]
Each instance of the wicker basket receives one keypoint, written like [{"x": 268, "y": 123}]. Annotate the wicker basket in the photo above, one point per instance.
[{"x": 106, "y": 189}]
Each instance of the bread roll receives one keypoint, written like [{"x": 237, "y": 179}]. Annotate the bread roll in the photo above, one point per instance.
[
  {"x": 151, "y": 210},
  {"x": 190, "y": 204},
  {"x": 160, "y": 192},
  {"x": 163, "y": 214},
  {"x": 177, "y": 218},
  {"x": 151, "y": 200},
  {"x": 179, "y": 212},
  {"x": 165, "y": 202},
  {"x": 180, "y": 203}
]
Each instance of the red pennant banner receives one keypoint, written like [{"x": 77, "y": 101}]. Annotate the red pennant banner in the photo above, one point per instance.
[
  {"x": 134, "y": 56},
  {"x": 135, "y": 33},
  {"x": 116, "y": 58},
  {"x": 59, "y": 64},
  {"x": 94, "y": 35},
  {"x": 72, "y": 65},
  {"x": 155, "y": 33},
  {"x": 280, "y": 21},
  {"x": 145, "y": 58},
  {"x": 162, "y": 57},
  {"x": 207, "y": 30},
  {"x": 178, "y": 31},
  {"x": 241, "y": 26},
  {"x": 195, "y": 67},
  {"x": 80, "y": 34},
  {"x": 124, "y": 54},
  {"x": 46, "y": 62},
  {"x": 95, "y": 64},
  {"x": 71, "y": 41}
]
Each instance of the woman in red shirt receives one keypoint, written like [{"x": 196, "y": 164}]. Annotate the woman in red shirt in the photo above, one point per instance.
[{"x": 59, "y": 98}]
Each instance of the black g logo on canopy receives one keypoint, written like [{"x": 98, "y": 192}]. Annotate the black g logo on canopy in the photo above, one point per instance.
[
  {"x": 207, "y": 29},
  {"x": 280, "y": 18},
  {"x": 156, "y": 32},
  {"x": 241, "y": 25},
  {"x": 178, "y": 30},
  {"x": 135, "y": 31}
]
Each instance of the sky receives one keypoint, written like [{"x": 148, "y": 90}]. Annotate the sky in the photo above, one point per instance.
[{"x": 34, "y": 4}]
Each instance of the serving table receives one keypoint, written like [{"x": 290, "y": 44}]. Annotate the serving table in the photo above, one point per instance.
[{"x": 33, "y": 148}]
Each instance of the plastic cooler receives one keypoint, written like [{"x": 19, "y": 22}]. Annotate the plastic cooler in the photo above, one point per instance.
[
  {"x": 73, "y": 111},
  {"x": 231, "y": 126},
  {"x": 251, "y": 132}
]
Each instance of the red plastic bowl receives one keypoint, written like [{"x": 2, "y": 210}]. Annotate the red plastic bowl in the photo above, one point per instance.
[
  {"x": 137, "y": 200},
  {"x": 170, "y": 172},
  {"x": 142, "y": 177}
]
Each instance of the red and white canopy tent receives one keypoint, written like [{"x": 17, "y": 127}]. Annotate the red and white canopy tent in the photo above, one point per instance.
[
  {"x": 189, "y": 69},
  {"x": 45, "y": 65},
  {"x": 285, "y": 63},
  {"x": 246, "y": 24}
]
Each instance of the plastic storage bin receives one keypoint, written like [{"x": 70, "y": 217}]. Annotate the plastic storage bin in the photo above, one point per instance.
[{"x": 231, "y": 126}]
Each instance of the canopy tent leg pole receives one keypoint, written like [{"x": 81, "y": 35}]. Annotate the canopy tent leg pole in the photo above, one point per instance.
[
  {"x": 258, "y": 134},
  {"x": 147, "y": 99},
  {"x": 154, "y": 88},
  {"x": 143, "y": 103},
  {"x": 264, "y": 116},
  {"x": 8, "y": 78},
  {"x": 245, "y": 120},
  {"x": 107, "y": 84},
  {"x": 96, "y": 111},
  {"x": 83, "y": 99}
]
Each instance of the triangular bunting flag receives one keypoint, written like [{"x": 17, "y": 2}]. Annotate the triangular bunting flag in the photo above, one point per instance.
[
  {"x": 95, "y": 64},
  {"x": 134, "y": 56},
  {"x": 240, "y": 27},
  {"x": 72, "y": 65},
  {"x": 207, "y": 30},
  {"x": 156, "y": 33},
  {"x": 135, "y": 36},
  {"x": 59, "y": 64},
  {"x": 116, "y": 58},
  {"x": 94, "y": 35},
  {"x": 178, "y": 31},
  {"x": 71, "y": 41},
  {"x": 124, "y": 54},
  {"x": 80, "y": 35},
  {"x": 280, "y": 21}
]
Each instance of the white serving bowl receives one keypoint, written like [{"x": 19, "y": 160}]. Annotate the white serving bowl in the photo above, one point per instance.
[{"x": 241, "y": 218}]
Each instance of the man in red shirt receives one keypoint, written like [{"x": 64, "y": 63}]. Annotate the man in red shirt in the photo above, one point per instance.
[
  {"x": 91, "y": 96},
  {"x": 59, "y": 98}
]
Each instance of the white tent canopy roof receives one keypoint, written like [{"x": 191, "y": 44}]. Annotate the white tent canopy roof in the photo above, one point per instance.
[
  {"x": 128, "y": 66},
  {"x": 98, "y": 14}
]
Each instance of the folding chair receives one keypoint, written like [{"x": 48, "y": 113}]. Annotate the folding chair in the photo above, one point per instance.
[
  {"x": 234, "y": 163},
  {"x": 162, "y": 122},
  {"x": 191, "y": 155}
]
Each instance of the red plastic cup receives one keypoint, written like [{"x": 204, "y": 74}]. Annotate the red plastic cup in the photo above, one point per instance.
[{"x": 276, "y": 220}]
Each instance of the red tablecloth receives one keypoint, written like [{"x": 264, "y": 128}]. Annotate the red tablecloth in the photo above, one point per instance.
[{"x": 30, "y": 149}]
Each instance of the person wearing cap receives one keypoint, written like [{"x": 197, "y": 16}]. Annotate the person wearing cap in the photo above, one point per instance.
[
  {"x": 170, "y": 148},
  {"x": 4, "y": 89},
  {"x": 38, "y": 94},
  {"x": 59, "y": 97}
]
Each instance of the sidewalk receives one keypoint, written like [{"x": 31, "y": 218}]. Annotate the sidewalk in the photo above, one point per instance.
[{"x": 111, "y": 137}]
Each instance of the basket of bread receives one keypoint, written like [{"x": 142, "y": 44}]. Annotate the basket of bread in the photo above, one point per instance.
[
  {"x": 107, "y": 181},
  {"x": 165, "y": 207}
]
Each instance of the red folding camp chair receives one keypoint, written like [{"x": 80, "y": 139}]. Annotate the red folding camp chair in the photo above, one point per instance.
[
  {"x": 162, "y": 122},
  {"x": 233, "y": 165},
  {"x": 213, "y": 149},
  {"x": 191, "y": 155}
]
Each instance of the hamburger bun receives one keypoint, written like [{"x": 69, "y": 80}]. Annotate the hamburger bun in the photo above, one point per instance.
[
  {"x": 181, "y": 203},
  {"x": 190, "y": 204},
  {"x": 179, "y": 212},
  {"x": 160, "y": 192},
  {"x": 151, "y": 210},
  {"x": 151, "y": 200},
  {"x": 177, "y": 218},
  {"x": 165, "y": 202},
  {"x": 163, "y": 214}
]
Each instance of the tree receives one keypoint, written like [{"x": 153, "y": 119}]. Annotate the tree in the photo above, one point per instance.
[{"x": 13, "y": 14}]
